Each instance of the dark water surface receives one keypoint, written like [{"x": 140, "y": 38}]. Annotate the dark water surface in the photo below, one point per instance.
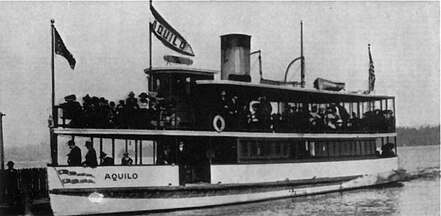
[{"x": 419, "y": 194}]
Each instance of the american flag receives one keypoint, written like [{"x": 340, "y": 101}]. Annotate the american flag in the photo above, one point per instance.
[
  {"x": 371, "y": 71},
  {"x": 61, "y": 49}
]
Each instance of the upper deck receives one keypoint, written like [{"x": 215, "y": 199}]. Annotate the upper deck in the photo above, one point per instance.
[{"x": 190, "y": 99}]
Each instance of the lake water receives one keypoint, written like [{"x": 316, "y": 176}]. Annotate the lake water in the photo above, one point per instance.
[{"x": 419, "y": 194}]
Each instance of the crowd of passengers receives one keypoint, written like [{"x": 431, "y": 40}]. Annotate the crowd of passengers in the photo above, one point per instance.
[
  {"x": 132, "y": 113},
  {"x": 146, "y": 111},
  {"x": 334, "y": 117}
]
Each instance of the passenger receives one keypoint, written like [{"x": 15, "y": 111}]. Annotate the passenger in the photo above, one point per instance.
[
  {"x": 144, "y": 101},
  {"x": 143, "y": 118},
  {"x": 222, "y": 106},
  {"x": 11, "y": 185},
  {"x": 264, "y": 113},
  {"x": 183, "y": 161},
  {"x": 106, "y": 161},
  {"x": 74, "y": 156},
  {"x": 126, "y": 160},
  {"x": 296, "y": 118},
  {"x": 234, "y": 108},
  {"x": 132, "y": 108},
  {"x": 344, "y": 115},
  {"x": 112, "y": 107},
  {"x": 121, "y": 117},
  {"x": 253, "y": 120},
  {"x": 104, "y": 113},
  {"x": 304, "y": 117},
  {"x": 164, "y": 157},
  {"x": 153, "y": 113},
  {"x": 72, "y": 111},
  {"x": 181, "y": 154},
  {"x": 354, "y": 122},
  {"x": 390, "y": 120},
  {"x": 242, "y": 118},
  {"x": 276, "y": 121},
  {"x": 314, "y": 114},
  {"x": 91, "y": 160},
  {"x": 288, "y": 118},
  {"x": 87, "y": 109},
  {"x": 340, "y": 126},
  {"x": 331, "y": 119},
  {"x": 370, "y": 121},
  {"x": 387, "y": 150},
  {"x": 169, "y": 114}
]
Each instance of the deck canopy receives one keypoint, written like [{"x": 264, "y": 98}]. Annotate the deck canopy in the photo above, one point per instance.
[
  {"x": 284, "y": 93},
  {"x": 179, "y": 70}
]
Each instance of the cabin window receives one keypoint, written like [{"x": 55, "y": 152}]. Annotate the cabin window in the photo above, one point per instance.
[
  {"x": 264, "y": 150},
  {"x": 225, "y": 151},
  {"x": 320, "y": 149}
]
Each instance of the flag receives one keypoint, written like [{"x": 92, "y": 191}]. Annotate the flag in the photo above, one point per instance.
[
  {"x": 371, "y": 71},
  {"x": 168, "y": 35},
  {"x": 61, "y": 49}
]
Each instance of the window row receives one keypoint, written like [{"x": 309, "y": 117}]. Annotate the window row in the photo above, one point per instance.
[{"x": 254, "y": 150}]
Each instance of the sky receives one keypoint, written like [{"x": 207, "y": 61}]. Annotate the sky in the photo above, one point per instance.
[{"x": 110, "y": 42}]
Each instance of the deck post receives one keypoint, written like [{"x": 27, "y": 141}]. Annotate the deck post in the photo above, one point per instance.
[
  {"x": 113, "y": 148},
  {"x": 136, "y": 151},
  {"x": 154, "y": 151},
  {"x": 140, "y": 152},
  {"x": 126, "y": 146},
  {"x": 101, "y": 149},
  {"x": 2, "y": 152}
]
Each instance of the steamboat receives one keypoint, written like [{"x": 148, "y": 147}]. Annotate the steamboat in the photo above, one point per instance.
[{"x": 206, "y": 142}]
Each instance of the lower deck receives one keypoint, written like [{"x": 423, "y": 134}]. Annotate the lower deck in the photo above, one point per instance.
[
  {"x": 222, "y": 158},
  {"x": 169, "y": 176},
  {"x": 104, "y": 190}
]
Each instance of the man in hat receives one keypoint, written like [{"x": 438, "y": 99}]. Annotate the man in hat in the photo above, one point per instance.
[
  {"x": 91, "y": 160},
  {"x": 132, "y": 108},
  {"x": 11, "y": 186},
  {"x": 74, "y": 156},
  {"x": 106, "y": 161},
  {"x": 71, "y": 110},
  {"x": 126, "y": 160}
]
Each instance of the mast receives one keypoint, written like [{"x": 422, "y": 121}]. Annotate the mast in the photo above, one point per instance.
[
  {"x": 302, "y": 59},
  {"x": 53, "y": 123},
  {"x": 2, "y": 152},
  {"x": 53, "y": 68},
  {"x": 150, "y": 41}
]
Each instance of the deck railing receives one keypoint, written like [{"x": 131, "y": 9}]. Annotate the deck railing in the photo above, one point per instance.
[{"x": 185, "y": 119}]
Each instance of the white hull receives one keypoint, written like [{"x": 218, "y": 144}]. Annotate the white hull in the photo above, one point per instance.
[
  {"x": 96, "y": 203},
  {"x": 69, "y": 205}
]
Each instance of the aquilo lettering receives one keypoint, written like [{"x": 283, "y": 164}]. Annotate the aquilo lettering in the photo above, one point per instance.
[
  {"x": 120, "y": 176},
  {"x": 168, "y": 35}
]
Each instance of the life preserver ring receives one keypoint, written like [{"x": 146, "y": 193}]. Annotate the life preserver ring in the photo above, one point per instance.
[{"x": 216, "y": 119}]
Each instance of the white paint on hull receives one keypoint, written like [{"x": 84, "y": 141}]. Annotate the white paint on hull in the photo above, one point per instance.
[
  {"x": 256, "y": 173},
  {"x": 113, "y": 176},
  {"x": 71, "y": 205}
]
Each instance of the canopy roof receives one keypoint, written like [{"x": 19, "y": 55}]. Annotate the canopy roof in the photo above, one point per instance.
[
  {"x": 285, "y": 93},
  {"x": 179, "y": 70}
]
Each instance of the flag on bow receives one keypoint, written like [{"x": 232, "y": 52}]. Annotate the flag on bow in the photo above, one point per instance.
[
  {"x": 61, "y": 49},
  {"x": 168, "y": 35},
  {"x": 371, "y": 71}
]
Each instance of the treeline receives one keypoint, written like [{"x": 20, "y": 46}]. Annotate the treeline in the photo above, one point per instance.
[{"x": 428, "y": 135}]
